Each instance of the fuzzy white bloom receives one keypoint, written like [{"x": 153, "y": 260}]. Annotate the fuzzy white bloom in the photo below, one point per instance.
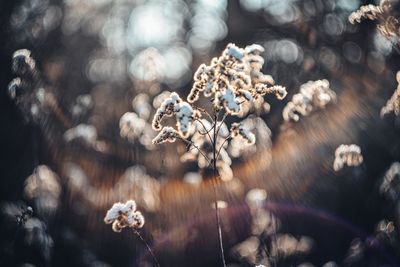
[
  {"x": 237, "y": 129},
  {"x": 393, "y": 104},
  {"x": 349, "y": 155},
  {"x": 123, "y": 215},
  {"x": 131, "y": 126},
  {"x": 313, "y": 95},
  {"x": 390, "y": 186}
]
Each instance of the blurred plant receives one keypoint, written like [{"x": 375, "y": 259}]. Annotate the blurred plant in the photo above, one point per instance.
[
  {"x": 313, "y": 95},
  {"x": 393, "y": 104},
  {"x": 390, "y": 186},
  {"x": 125, "y": 215},
  {"x": 228, "y": 82},
  {"x": 389, "y": 25},
  {"x": 349, "y": 155},
  {"x": 26, "y": 213},
  {"x": 44, "y": 189}
]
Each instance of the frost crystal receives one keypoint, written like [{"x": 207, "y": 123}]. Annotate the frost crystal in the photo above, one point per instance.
[
  {"x": 124, "y": 215},
  {"x": 349, "y": 155}
]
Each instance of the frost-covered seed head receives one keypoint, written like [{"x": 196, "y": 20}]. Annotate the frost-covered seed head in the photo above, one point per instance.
[
  {"x": 168, "y": 134},
  {"x": 123, "y": 215}
]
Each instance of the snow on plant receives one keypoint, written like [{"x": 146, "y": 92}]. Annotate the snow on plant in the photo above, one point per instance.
[
  {"x": 123, "y": 215},
  {"x": 349, "y": 155},
  {"x": 393, "y": 104},
  {"x": 229, "y": 82},
  {"x": 313, "y": 95},
  {"x": 388, "y": 26}
]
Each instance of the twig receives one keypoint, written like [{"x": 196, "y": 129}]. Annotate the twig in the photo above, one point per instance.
[
  {"x": 206, "y": 131},
  {"x": 222, "y": 145},
  {"x": 214, "y": 143},
  {"x": 195, "y": 146},
  {"x": 148, "y": 248}
]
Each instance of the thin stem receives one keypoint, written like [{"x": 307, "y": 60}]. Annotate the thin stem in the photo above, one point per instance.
[
  {"x": 205, "y": 112},
  {"x": 222, "y": 145},
  {"x": 148, "y": 248},
  {"x": 195, "y": 146},
  {"x": 206, "y": 131},
  {"x": 221, "y": 122},
  {"x": 214, "y": 143}
]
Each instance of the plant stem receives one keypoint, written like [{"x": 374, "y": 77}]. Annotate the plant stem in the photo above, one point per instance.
[
  {"x": 157, "y": 264},
  {"x": 214, "y": 166}
]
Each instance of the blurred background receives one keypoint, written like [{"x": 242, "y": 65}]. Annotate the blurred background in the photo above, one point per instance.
[{"x": 64, "y": 154}]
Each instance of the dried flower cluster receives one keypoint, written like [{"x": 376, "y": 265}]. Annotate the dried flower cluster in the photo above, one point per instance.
[
  {"x": 393, "y": 104},
  {"x": 388, "y": 26},
  {"x": 234, "y": 78},
  {"x": 313, "y": 95},
  {"x": 349, "y": 155},
  {"x": 230, "y": 81},
  {"x": 124, "y": 215},
  {"x": 390, "y": 186}
]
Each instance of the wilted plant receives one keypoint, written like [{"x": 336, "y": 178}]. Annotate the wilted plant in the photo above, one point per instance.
[
  {"x": 389, "y": 24},
  {"x": 231, "y": 82}
]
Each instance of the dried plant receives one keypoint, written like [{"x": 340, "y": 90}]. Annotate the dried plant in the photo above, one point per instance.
[
  {"x": 389, "y": 24},
  {"x": 393, "y": 104},
  {"x": 349, "y": 155},
  {"x": 230, "y": 82},
  {"x": 123, "y": 215},
  {"x": 313, "y": 95}
]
